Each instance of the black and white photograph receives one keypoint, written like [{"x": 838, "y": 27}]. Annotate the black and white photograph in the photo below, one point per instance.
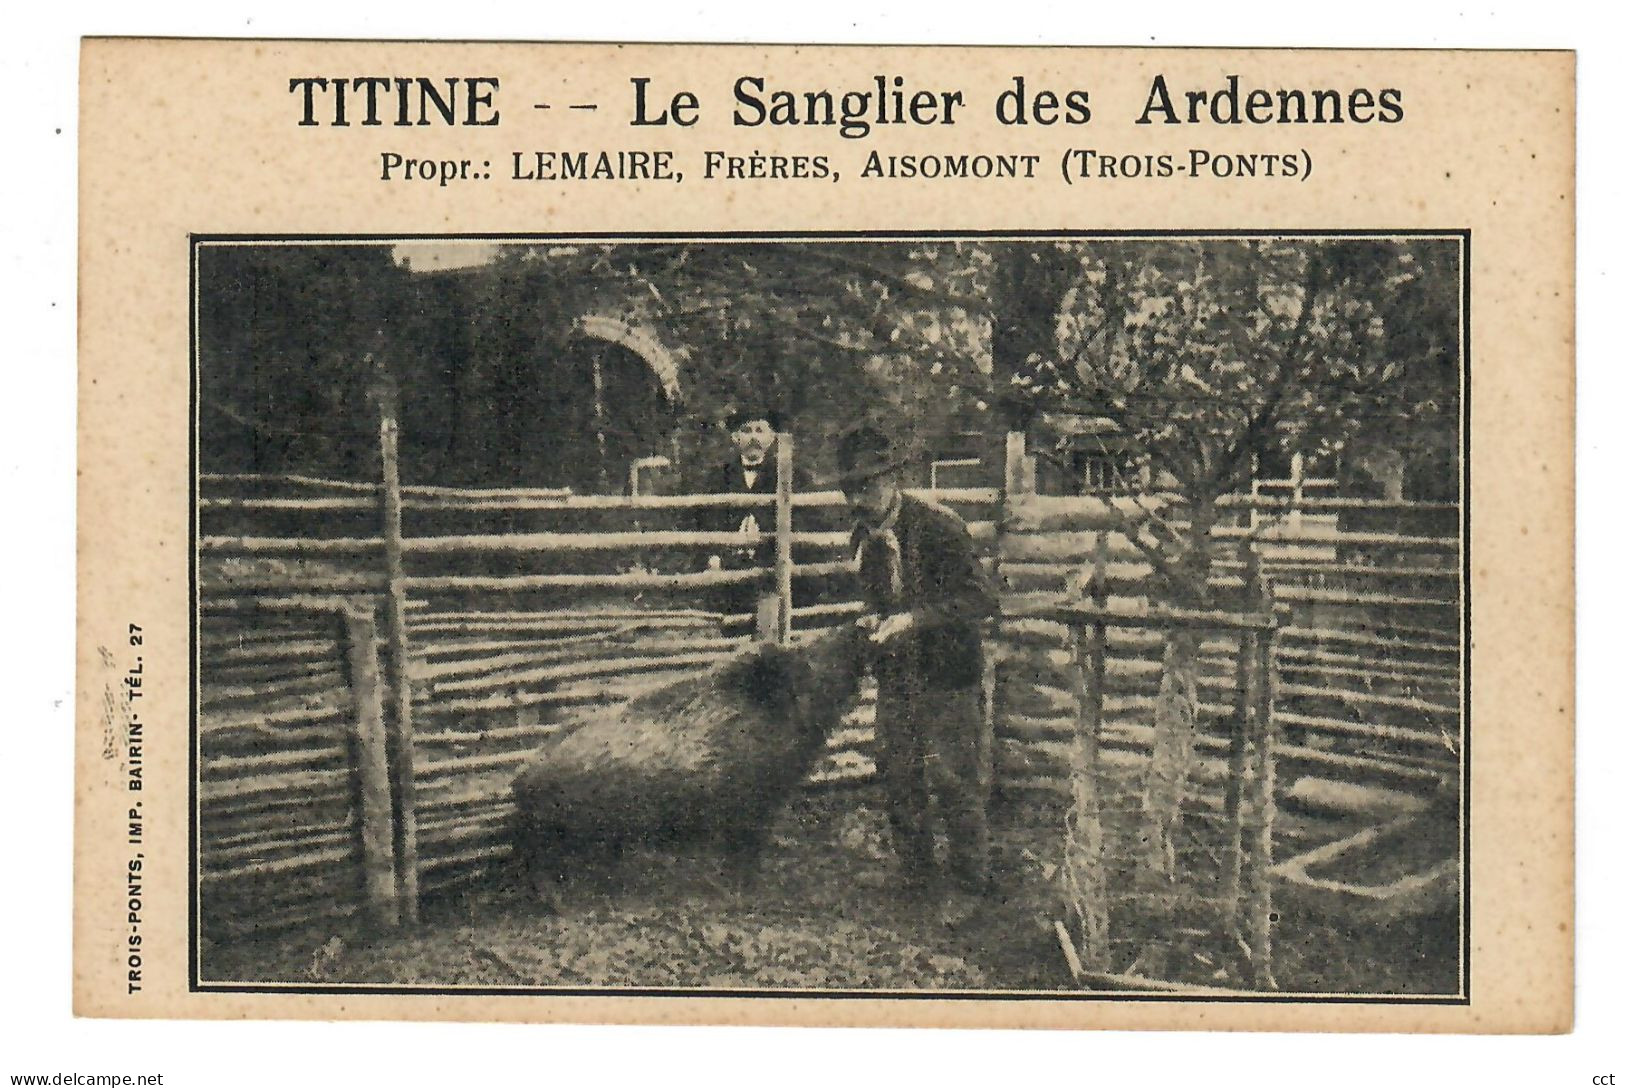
[{"x": 919, "y": 614}]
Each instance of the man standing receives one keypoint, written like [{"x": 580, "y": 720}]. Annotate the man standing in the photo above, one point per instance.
[
  {"x": 927, "y": 595},
  {"x": 752, "y": 470}
]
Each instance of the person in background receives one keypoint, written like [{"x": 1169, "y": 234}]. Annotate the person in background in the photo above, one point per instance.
[
  {"x": 752, "y": 469},
  {"x": 927, "y": 595}
]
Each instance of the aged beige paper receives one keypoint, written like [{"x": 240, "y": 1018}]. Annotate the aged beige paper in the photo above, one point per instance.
[{"x": 826, "y": 535}]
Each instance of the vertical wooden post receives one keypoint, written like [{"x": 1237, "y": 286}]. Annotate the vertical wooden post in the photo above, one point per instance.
[
  {"x": 1014, "y": 450},
  {"x": 1262, "y": 805},
  {"x": 1090, "y": 672},
  {"x": 988, "y": 704},
  {"x": 1099, "y": 594},
  {"x": 1086, "y": 690},
  {"x": 1294, "y": 518},
  {"x": 767, "y": 617},
  {"x": 1086, "y": 839},
  {"x": 1240, "y": 730},
  {"x": 403, "y": 776},
  {"x": 783, "y": 564},
  {"x": 372, "y": 766},
  {"x": 1087, "y": 846},
  {"x": 1015, "y": 463}
]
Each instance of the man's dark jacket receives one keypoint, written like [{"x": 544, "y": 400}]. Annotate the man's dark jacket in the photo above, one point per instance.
[
  {"x": 728, "y": 478},
  {"x": 944, "y": 586}
]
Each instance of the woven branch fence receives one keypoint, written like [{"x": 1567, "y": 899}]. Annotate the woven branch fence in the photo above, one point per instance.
[{"x": 377, "y": 660}]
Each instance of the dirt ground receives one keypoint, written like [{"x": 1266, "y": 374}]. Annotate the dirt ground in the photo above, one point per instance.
[{"x": 825, "y": 914}]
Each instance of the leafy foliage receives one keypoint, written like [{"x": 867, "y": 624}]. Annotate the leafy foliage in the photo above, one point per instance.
[
  {"x": 1206, "y": 354},
  {"x": 821, "y": 332},
  {"x": 283, "y": 331},
  {"x": 1211, "y": 357},
  {"x": 1211, "y": 354}
]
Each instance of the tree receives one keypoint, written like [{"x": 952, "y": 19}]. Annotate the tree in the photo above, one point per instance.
[
  {"x": 824, "y": 332},
  {"x": 486, "y": 356},
  {"x": 1211, "y": 354},
  {"x": 282, "y": 334},
  {"x": 1204, "y": 353}
]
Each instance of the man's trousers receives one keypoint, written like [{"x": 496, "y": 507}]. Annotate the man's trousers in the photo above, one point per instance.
[{"x": 929, "y": 743}]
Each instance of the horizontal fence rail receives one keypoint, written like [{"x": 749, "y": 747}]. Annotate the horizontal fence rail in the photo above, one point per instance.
[{"x": 512, "y": 627}]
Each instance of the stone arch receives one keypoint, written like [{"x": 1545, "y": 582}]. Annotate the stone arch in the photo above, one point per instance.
[{"x": 641, "y": 340}]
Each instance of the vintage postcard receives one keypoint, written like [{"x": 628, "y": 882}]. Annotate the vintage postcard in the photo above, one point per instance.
[{"x": 826, "y": 535}]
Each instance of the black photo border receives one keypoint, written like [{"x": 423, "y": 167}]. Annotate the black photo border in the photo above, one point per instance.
[{"x": 195, "y": 981}]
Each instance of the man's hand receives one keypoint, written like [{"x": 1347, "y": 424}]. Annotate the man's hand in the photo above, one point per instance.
[
  {"x": 714, "y": 563},
  {"x": 891, "y": 627}
]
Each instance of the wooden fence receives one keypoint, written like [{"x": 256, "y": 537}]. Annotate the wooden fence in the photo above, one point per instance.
[
  {"x": 494, "y": 613},
  {"x": 1368, "y": 652},
  {"x": 296, "y": 815}
]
